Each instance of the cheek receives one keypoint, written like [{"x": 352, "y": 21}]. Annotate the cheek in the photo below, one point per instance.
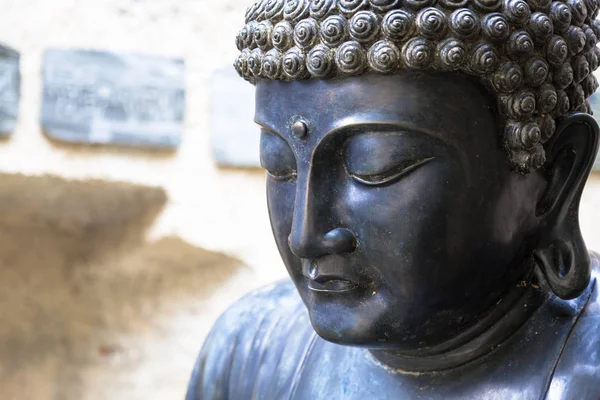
[
  {"x": 412, "y": 227},
  {"x": 424, "y": 200},
  {"x": 280, "y": 201}
]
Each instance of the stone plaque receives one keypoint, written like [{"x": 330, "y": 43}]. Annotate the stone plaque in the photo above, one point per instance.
[
  {"x": 113, "y": 98},
  {"x": 10, "y": 89},
  {"x": 235, "y": 138}
]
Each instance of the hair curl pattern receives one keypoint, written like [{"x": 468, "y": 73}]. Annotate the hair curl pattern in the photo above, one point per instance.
[{"x": 537, "y": 56}]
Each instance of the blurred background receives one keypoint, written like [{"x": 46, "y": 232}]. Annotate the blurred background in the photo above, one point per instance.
[{"x": 116, "y": 258}]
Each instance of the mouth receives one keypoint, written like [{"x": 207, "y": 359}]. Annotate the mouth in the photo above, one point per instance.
[
  {"x": 331, "y": 285},
  {"x": 322, "y": 278}
]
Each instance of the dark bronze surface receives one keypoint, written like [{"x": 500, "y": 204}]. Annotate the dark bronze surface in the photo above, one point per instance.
[
  {"x": 429, "y": 268},
  {"x": 537, "y": 56},
  {"x": 428, "y": 219}
]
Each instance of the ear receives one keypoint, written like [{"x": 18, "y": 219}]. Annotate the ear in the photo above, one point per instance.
[{"x": 561, "y": 251}]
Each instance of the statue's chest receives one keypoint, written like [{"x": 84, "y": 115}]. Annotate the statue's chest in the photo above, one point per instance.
[
  {"x": 305, "y": 366},
  {"x": 333, "y": 372},
  {"x": 355, "y": 375}
]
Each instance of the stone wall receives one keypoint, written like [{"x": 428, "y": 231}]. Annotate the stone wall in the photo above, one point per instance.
[
  {"x": 88, "y": 308},
  {"x": 108, "y": 289},
  {"x": 202, "y": 33}
]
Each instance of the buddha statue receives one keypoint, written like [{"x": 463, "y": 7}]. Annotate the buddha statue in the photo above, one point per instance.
[{"x": 425, "y": 161}]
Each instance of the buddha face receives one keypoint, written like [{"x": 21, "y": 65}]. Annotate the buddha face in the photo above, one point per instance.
[{"x": 393, "y": 205}]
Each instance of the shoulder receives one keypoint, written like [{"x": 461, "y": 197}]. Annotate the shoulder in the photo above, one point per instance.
[
  {"x": 577, "y": 375},
  {"x": 235, "y": 350},
  {"x": 592, "y": 309}
]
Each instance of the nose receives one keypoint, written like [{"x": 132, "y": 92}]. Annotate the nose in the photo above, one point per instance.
[
  {"x": 336, "y": 241},
  {"x": 314, "y": 234}
]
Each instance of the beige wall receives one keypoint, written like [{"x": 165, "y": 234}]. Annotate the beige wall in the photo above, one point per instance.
[
  {"x": 218, "y": 210},
  {"x": 131, "y": 347},
  {"x": 205, "y": 205}
]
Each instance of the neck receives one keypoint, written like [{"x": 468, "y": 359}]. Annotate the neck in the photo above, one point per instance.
[{"x": 504, "y": 319}]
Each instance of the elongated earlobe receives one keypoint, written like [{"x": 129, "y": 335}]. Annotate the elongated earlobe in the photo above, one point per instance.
[
  {"x": 561, "y": 253},
  {"x": 566, "y": 267}
]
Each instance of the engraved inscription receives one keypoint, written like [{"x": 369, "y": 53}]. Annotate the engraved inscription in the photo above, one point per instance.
[
  {"x": 102, "y": 97},
  {"x": 10, "y": 82}
]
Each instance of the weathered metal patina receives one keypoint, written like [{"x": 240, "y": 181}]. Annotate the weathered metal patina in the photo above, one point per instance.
[{"x": 424, "y": 265}]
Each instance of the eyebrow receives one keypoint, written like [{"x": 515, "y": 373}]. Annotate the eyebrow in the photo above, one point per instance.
[
  {"x": 262, "y": 124},
  {"x": 362, "y": 124},
  {"x": 268, "y": 128},
  {"x": 401, "y": 126}
]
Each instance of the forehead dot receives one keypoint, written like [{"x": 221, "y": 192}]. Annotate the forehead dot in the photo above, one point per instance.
[{"x": 299, "y": 129}]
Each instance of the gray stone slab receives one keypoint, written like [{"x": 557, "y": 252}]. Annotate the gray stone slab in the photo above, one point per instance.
[
  {"x": 100, "y": 97},
  {"x": 595, "y": 103},
  {"x": 10, "y": 89},
  {"x": 235, "y": 138}
]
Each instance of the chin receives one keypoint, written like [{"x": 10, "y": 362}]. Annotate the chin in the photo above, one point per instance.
[
  {"x": 368, "y": 339},
  {"x": 341, "y": 335},
  {"x": 344, "y": 325}
]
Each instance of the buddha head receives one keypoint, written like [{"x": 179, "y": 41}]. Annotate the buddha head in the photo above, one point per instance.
[{"x": 424, "y": 157}]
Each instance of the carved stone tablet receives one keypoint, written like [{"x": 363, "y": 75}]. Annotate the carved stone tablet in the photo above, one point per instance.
[
  {"x": 113, "y": 98},
  {"x": 10, "y": 88},
  {"x": 235, "y": 138}
]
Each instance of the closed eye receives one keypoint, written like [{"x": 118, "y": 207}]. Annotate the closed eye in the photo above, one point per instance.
[
  {"x": 277, "y": 157},
  {"x": 392, "y": 174},
  {"x": 285, "y": 175}
]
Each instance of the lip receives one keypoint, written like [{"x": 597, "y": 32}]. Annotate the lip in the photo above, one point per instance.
[
  {"x": 331, "y": 285},
  {"x": 323, "y": 276}
]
